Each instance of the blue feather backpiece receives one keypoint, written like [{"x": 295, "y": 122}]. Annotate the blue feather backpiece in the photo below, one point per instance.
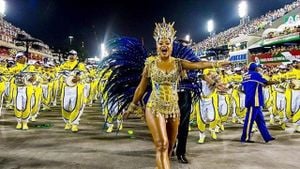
[
  {"x": 192, "y": 82},
  {"x": 126, "y": 61}
]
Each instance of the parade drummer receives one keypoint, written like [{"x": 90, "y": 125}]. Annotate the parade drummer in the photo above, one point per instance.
[
  {"x": 72, "y": 95},
  {"x": 22, "y": 91}
]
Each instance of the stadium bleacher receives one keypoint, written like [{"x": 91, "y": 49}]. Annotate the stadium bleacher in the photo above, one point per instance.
[
  {"x": 8, "y": 34},
  {"x": 254, "y": 26}
]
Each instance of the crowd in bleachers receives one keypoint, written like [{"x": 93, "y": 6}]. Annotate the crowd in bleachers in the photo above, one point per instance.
[
  {"x": 9, "y": 32},
  {"x": 286, "y": 31},
  {"x": 293, "y": 49},
  {"x": 253, "y": 26}
]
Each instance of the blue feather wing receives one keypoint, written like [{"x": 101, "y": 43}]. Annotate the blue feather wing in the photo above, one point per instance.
[
  {"x": 185, "y": 52},
  {"x": 126, "y": 62}
]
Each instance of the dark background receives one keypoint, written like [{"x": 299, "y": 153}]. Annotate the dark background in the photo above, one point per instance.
[{"x": 93, "y": 22}]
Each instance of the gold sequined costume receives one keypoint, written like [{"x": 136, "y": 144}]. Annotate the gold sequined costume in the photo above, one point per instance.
[{"x": 164, "y": 98}]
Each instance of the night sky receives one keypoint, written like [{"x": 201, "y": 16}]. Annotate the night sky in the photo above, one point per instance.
[{"x": 93, "y": 22}]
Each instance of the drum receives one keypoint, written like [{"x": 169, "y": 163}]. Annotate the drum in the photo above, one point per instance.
[
  {"x": 25, "y": 78},
  {"x": 69, "y": 76},
  {"x": 21, "y": 79},
  {"x": 280, "y": 88},
  {"x": 297, "y": 84},
  {"x": 46, "y": 78},
  {"x": 69, "y": 81},
  {"x": 88, "y": 79}
]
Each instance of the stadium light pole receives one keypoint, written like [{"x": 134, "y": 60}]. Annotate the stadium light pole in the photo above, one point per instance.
[
  {"x": 103, "y": 52},
  {"x": 243, "y": 12},
  {"x": 71, "y": 39},
  {"x": 187, "y": 37},
  {"x": 2, "y": 9},
  {"x": 210, "y": 26}
]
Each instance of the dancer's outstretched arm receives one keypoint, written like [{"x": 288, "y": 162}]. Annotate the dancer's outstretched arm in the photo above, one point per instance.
[{"x": 203, "y": 64}]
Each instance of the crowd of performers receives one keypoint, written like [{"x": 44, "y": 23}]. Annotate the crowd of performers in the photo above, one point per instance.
[
  {"x": 129, "y": 80},
  {"x": 174, "y": 82},
  {"x": 281, "y": 100},
  {"x": 31, "y": 87}
]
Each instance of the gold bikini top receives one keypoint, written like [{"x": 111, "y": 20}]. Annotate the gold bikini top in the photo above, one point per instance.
[{"x": 160, "y": 77}]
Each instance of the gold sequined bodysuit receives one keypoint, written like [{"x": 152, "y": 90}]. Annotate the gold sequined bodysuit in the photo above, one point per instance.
[{"x": 164, "y": 98}]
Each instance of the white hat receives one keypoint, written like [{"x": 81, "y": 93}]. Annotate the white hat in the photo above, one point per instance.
[
  {"x": 50, "y": 63},
  {"x": 282, "y": 67},
  {"x": 47, "y": 65},
  {"x": 237, "y": 69},
  {"x": 229, "y": 72},
  {"x": 32, "y": 62},
  {"x": 20, "y": 54},
  {"x": 72, "y": 52},
  {"x": 89, "y": 66},
  {"x": 11, "y": 61}
]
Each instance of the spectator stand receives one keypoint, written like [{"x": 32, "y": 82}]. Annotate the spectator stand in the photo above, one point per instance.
[
  {"x": 9, "y": 46},
  {"x": 279, "y": 45},
  {"x": 254, "y": 28},
  {"x": 218, "y": 53}
]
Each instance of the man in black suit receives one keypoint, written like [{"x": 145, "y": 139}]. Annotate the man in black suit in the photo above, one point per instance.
[{"x": 185, "y": 103}]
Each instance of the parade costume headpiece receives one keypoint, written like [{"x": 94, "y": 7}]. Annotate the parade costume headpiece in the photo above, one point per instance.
[
  {"x": 164, "y": 30},
  {"x": 20, "y": 55}
]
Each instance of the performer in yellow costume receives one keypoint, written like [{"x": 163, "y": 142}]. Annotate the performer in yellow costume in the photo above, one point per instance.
[
  {"x": 293, "y": 95},
  {"x": 110, "y": 114},
  {"x": 2, "y": 92},
  {"x": 36, "y": 98},
  {"x": 47, "y": 86},
  {"x": 238, "y": 97},
  {"x": 113, "y": 116},
  {"x": 224, "y": 101},
  {"x": 91, "y": 83},
  {"x": 17, "y": 68},
  {"x": 279, "y": 95},
  {"x": 267, "y": 91},
  {"x": 72, "y": 96},
  {"x": 56, "y": 92},
  {"x": 3, "y": 80},
  {"x": 104, "y": 74},
  {"x": 207, "y": 107},
  {"x": 22, "y": 90}
]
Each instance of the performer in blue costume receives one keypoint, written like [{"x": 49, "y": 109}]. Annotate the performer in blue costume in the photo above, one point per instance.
[{"x": 253, "y": 83}]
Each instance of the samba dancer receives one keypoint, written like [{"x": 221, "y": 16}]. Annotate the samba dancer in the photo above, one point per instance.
[{"x": 162, "y": 110}]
